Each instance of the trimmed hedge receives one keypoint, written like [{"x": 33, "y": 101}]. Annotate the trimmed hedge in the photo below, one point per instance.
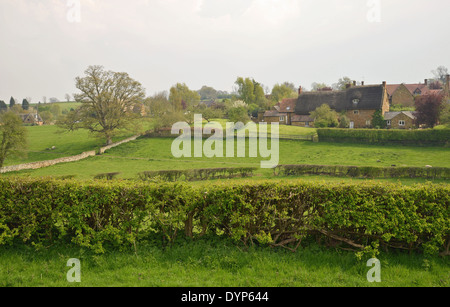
[
  {"x": 198, "y": 174},
  {"x": 384, "y": 136},
  {"x": 121, "y": 214},
  {"x": 363, "y": 171}
]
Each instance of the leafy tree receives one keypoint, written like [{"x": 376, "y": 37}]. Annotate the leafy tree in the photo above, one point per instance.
[
  {"x": 3, "y": 106},
  {"x": 55, "y": 109},
  {"x": 251, "y": 91},
  {"x": 378, "y": 120},
  {"x": 158, "y": 104},
  {"x": 25, "y": 104},
  {"x": 254, "y": 109},
  {"x": 238, "y": 114},
  {"x": 181, "y": 97},
  {"x": 207, "y": 92},
  {"x": 107, "y": 99},
  {"x": 444, "y": 116},
  {"x": 67, "y": 97},
  {"x": 344, "y": 121},
  {"x": 324, "y": 116},
  {"x": 46, "y": 116},
  {"x": 246, "y": 89},
  {"x": 282, "y": 91},
  {"x": 428, "y": 109},
  {"x": 168, "y": 119},
  {"x": 12, "y": 136}
]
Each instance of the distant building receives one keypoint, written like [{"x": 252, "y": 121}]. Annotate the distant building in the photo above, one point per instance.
[
  {"x": 358, "y": 103},
  {"x": 405, "y": 94},
  {"x": 32, "y": 119}
]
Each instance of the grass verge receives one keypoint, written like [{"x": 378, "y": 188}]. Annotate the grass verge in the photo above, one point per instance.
[{"x": 215, "y": 262}]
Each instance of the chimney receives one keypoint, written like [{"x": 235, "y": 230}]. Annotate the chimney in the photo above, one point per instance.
[
  {"x": 300, "y": 90},
  {"x": 362, "y": 83},
  {"x": 426, "y": 81},
  {"x": 354, "y": 83},
  {"x": 384, "y": 83}
]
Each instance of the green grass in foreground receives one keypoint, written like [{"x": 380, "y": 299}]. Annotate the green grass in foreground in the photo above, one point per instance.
[{"x": 213, "y": 262}]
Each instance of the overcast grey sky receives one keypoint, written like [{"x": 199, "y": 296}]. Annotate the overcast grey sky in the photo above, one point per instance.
[{"x": 46, "y": 44}]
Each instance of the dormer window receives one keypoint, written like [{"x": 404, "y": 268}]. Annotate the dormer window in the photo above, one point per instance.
[{"x": 355, "y": 101}]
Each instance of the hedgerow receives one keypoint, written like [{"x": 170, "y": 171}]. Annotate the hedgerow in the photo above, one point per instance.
[
  {"x": 122, "y": 214},
  {"x": 198, "y": 174},
  {"x": 385, "y": 136},
  {"x": 363, "y": 171}
]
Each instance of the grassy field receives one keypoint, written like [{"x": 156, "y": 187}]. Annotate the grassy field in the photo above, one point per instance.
[
  {"x": 213, "y": 262},
  {"x": 42, "y": 138},
  {"x": 147, "y": 154}
]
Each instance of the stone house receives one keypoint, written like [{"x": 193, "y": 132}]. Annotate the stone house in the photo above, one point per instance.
[
  {"x": 405, "y": 94},
  {"x": 358, "y": 103},
  {"x": 32, "y": 119},
  {"x": 401, "y": 94},
  {"x": 302, "y": 121},
  {"x": 281, "y": 113},
  {"x": 400, "y": 120}
]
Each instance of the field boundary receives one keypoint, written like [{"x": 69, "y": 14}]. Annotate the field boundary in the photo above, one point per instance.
[
  {"x": 363, "y": 171},
  {"x": 47, "y": 163}
]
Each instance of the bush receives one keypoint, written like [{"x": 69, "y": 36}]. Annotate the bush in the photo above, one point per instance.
[
  {"x": 364, "y": 171},
  {"x": 381, "y": 136},
  {"x": 198, "y": 174},
  {"x": 121, "y": 214}
]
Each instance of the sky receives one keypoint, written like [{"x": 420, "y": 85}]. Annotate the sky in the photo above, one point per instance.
[{"x": 46, "y": 44}]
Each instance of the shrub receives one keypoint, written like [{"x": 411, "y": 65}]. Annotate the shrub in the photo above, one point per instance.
[
  {"x": 364, "y": 171},
  {"x": 381, "y": 136},
  {"x": 121, "y": 214},
  {"x": 198, "y": 174}
]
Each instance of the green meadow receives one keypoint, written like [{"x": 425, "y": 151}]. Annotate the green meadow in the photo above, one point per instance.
[
  {"x": 146, "y": 154},
  {"x": 213, "y": 261}
]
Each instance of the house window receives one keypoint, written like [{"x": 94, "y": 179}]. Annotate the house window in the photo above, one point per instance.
[
  {"x": 355, "y": 112},
  {"x": 401, "y": 122},
  {"x": 281, "y": 118},
  {"x": 388, "y": 122},
  {"x": 368, "y": 122},
  {"x": 307, "y": 124}
]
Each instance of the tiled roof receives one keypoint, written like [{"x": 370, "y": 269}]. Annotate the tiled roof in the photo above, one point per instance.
[
  {"x": 391, "y": 88},
  {"x": 288, "y": 105},
  {"x": 391, "y": 115}
]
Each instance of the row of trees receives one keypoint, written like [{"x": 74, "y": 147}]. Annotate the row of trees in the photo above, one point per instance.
[{"x": 12, "y": 104}]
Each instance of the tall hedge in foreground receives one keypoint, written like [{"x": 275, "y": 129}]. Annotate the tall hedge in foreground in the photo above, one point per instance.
[
  {"x": 384, "y": 136},
  {"x": 98, "y": 215}
]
